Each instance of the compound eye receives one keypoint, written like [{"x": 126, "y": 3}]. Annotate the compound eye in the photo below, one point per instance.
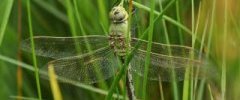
[
  {"x": 117, "y": 12},
  {"x": 119, "y": 15}
]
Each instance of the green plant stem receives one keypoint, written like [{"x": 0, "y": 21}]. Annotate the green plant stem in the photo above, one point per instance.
[
  {"x": 187, "y": 87},
  {"x": 212, "y": 21},
  {"x": 103, "y": 13},
  {"x": 223, "y": 77},
  {"x": 169, "y": 19},
  {"x": 179, "y": 20},
  {"x": 149, "y": 48},
  {"x": 33, "y": 51},
  {"x": 173, "y": 73},
  {"x": 211, "y": 27},
  {"x": 5, "y": 15}
]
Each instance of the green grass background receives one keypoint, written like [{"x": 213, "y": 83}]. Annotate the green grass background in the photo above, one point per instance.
[{"x": 215, "y": 22}]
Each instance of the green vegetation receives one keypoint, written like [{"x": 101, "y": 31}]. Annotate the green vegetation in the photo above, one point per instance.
[{"x": 211, "y": 27}]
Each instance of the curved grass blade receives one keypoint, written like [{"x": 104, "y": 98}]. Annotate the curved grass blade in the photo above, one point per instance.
[
  {"x": 57, "y": 95},
  {"x": 5, "y": 9}
]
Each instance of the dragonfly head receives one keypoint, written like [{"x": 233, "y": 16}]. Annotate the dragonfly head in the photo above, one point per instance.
[{"x": 118, "y": 14}]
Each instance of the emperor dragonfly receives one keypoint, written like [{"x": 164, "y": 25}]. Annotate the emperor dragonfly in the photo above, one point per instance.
[{"x": 73, "y": 61}]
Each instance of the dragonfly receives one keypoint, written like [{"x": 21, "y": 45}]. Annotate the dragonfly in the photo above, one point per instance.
[{"x": 80, "y": 58}]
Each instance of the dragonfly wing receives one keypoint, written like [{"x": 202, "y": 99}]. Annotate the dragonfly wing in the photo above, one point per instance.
[
  {"x": 88, "y": 68},
  {"x": 161, "y": 66},
  {"x": 166, "y": 57},
  {"x": 59, "y": 47},
  {"x": 160, "y": 48}
]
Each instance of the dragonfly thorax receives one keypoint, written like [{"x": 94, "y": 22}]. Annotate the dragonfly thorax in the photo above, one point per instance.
[{"x": 118, "y": 30}]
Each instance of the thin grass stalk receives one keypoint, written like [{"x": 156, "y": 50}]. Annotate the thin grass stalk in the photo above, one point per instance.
[
  {"x": 211, "y": 28},
  {"x": 224, "y": 65},
  {"x": 5, "y": 19},
  {"x": 161, "y": 89},
  {"x": 149, "y": 48},
  {"x": 19, "y": 54},
  {"x": 33, "y": 51},
  {"x": 173, "y": 73},
  {"x": 187, "y": 90},
  {"x": 179, "y": 20},
  {"x": 137, "y": 81},
  {"x": 118, "y": 93},
  {"x": 125, "y": 92},
  {"x": 72, "y": 23},
  {"x": 160, "y": 82},
  {"x": 103, "y": 13},
  {"x": 54, "y": 83},
  {"x": 201, "y": 49},
  {"x": 201, "y": 89},
  {"x": 169, "y": 19},
  {"x": 210, "y": 92},
  {"x": 212, "y": 23},
  {"x": 194, "y": 76},
  {"x": 121, "y": 87},
  {"x": 194, "y": 37}
]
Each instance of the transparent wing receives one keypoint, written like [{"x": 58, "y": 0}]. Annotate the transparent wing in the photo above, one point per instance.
[
  {"x": 88, "y": 68},
  {"x": 59, "y": 47},
  {"x": 159, "y": 48},
  {"x": 162, "y": 63},
  {"x": 161, "y": 66}
]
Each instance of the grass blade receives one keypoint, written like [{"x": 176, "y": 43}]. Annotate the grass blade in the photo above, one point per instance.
[
  {"x": 5, "y": 9},
  {"x": 223, "y": 77},
  {"x": 33, "y": 51},
  {"x": 173, "y": 72},
  {"x": 54, "y": 84},
  {"x": 149, "y": 47}
]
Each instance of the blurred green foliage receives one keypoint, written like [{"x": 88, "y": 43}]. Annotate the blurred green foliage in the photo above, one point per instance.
[{"x": 49, "y": 18}]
